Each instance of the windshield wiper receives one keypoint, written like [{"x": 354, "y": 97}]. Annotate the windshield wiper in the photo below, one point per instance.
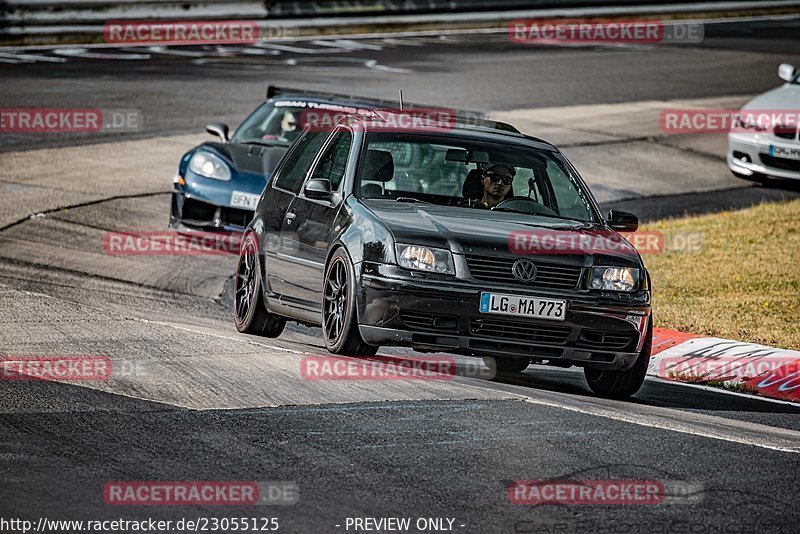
[{"x": 411, "y": 199}]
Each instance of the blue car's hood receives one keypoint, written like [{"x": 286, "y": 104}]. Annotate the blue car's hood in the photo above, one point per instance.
[{"x": 249, "y": 159}]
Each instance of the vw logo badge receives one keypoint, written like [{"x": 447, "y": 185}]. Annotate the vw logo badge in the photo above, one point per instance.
[{"x": 524, "y": 270}]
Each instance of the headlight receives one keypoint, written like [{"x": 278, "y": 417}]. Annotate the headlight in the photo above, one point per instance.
[
  {"x": 210, "y": 166},
  {"x": 746, "y": 124},
  {"x": 434, "y": 260},
  {"x": 614, "y": 278}
]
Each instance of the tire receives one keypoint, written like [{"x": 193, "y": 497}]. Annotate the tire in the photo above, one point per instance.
[
  {"x": 506, "y": 365},
  {"x": 622, "y": 384},
  {"x": 339, "y": 315},
  {"x": 249, "y": 312}
]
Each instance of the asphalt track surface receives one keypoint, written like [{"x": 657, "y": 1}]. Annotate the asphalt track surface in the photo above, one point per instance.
[{"x": 202, "y": 402}]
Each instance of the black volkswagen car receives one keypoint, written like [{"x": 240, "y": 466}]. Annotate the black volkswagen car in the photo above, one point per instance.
[
  {"x": 473, "y": 239},
  {"x": 218, "y": 184}
]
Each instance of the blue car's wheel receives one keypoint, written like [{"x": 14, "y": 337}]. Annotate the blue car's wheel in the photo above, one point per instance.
[{"x": 248, "y": 306}]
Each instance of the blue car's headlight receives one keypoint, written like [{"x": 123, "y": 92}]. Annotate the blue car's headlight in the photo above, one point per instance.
[{"x": 208, "y": 165}]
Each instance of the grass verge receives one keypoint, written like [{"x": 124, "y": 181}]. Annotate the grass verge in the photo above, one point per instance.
[{"x": 742, "y": 282}]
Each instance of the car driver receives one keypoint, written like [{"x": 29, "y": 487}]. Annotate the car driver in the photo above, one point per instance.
[{"x": 496, "y": 180}]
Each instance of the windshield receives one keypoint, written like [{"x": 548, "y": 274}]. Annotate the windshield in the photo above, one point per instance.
[
  {"x": 471, "y": 174},
  {"x": 271, "y": 122}
]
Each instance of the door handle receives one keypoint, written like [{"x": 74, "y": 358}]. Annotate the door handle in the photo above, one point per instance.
[{"x": 290, "y": 217}]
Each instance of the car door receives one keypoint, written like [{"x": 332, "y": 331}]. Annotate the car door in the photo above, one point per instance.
[
  {"x": 283, "y": 189},
  {"x": 310, "y": 223}
]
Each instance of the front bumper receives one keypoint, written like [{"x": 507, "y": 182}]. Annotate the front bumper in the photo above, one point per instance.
[
  {"x": 206, "y": 204},
  {"x": 599, "y": 331},
  {"x": 749, "y": 154},
  {"x": 189, "y": 211}
]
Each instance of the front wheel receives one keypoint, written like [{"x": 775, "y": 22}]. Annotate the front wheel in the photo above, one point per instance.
[
  {"x": 249, "y": 312},
  {"x": 621, "y": 384},
  {"x": 339, "y": 324}
]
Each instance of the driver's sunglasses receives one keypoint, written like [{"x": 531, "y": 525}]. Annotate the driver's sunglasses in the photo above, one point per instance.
[{"x": 507, "y": 180}]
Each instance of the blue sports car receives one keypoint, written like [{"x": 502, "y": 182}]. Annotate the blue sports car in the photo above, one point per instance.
[{"x": 218, "y": 184}]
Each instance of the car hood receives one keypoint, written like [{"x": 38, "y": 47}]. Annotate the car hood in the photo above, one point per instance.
[
  {"x": 478, "y": 231},
  {"x": 784, "y": 97},
  {"x": 250, "y": 159}
]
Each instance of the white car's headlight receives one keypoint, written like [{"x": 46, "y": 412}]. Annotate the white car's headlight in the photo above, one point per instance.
[
  {"x": 434, "y": 260},
  {"x": 210, "y": 166},
  {"x": 614, "y": 278}
]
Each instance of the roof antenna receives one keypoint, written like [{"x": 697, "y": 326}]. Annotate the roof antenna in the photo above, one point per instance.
[{"x": 401, "y": 100}]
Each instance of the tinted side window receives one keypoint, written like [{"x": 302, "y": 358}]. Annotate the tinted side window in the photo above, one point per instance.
[
  {"x": 333, "y": 162},
  {"x": 299, "y": 161}
]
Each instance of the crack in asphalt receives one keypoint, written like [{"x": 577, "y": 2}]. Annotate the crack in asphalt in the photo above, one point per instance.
[{"x": 95, "y": 202}]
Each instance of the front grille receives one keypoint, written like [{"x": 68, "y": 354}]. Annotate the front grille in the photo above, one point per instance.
[
  {"x": 550, "y": 275},
  {"x": 780, "y": 163},
  {"x": 429, "y": 321},
  {"x": 234, "y": 216},
  {"x": 785, "y": 132},
  {"x": 601, "y": 339},
  {"x": 519, "y": 331},
  {"x": 196, "y": 210}
]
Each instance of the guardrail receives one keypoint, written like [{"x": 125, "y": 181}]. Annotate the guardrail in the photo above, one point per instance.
[{"x": 24, "y": 19}]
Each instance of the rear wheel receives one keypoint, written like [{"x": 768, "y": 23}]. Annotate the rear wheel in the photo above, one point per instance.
[
  {"x": 499, "y": 364},
  {"x": 249, "y": 312},
  {"x": 621, "y": 384},
  {"x": 339, "y": 324}
]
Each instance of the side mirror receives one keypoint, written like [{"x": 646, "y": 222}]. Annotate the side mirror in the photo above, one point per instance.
[
  {"x": 218, "y": 129},
  {"x": 786, "y": 72},
  {"x": 318, "y": 189},
  {"x": 622, "y": 220}
]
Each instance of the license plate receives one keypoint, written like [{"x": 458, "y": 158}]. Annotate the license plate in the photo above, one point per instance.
[
  {"x": 244, "y": 200},
  {"x": 523, "y": 306},
  {"x": 784, "y": 152}
]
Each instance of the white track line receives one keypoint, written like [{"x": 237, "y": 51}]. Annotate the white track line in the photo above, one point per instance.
[{"x": 673, "y": 420}]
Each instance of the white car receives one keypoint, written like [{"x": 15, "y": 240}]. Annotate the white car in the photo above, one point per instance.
[{"x": 770, "y": 148}]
